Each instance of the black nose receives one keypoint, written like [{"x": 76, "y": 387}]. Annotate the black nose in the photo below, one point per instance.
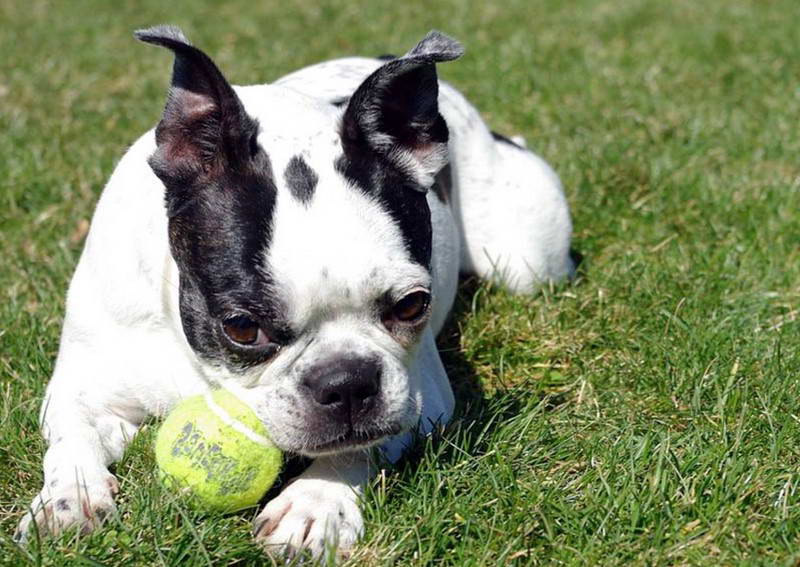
[{"x": 346, "y": 390}]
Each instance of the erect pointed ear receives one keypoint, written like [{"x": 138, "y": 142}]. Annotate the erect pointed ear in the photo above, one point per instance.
[
  {"x": 395, "y": 111},
  {"x": 204, "y": 127}
]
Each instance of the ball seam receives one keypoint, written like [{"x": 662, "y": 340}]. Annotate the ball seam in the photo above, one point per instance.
[{"x": 225, "y": 417}]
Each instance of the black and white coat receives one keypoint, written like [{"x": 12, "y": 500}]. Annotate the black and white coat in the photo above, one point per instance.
[{"x": 308, "y": 255}]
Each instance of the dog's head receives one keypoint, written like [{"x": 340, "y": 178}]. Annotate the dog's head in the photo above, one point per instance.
[{"x": 302, "y": 235}]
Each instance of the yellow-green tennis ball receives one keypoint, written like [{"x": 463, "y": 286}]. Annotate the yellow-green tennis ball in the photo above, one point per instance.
[{"x": 215, "y": 448}]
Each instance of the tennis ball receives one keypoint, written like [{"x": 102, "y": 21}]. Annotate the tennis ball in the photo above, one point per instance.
[{"x": 213, "y": 447}]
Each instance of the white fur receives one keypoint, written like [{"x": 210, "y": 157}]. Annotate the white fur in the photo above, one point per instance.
[{"x": 123, "y": 355}]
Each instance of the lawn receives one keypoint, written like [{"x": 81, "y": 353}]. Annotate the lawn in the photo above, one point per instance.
[{"x": 648, "y": 414}]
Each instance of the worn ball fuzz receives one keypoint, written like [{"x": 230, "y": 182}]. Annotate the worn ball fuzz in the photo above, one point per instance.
[{"x": 214, "y": 448}]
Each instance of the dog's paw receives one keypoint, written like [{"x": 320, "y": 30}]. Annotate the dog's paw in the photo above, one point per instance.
[
  {"x": 310, "y": 514},
  {"x": 54, "y": 510}
]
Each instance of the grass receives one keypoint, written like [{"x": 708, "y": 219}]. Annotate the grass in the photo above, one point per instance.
[{"x": 646, "y": 415}]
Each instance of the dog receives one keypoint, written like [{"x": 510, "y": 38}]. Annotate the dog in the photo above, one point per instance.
[{"x": 298, "y": 243}]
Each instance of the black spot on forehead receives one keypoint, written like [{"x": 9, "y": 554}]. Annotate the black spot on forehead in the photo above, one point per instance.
[{"x": 301, "y": 179}]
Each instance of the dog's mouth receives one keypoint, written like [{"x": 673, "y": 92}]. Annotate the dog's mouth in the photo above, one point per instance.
[{"x": 352, "y": 440}]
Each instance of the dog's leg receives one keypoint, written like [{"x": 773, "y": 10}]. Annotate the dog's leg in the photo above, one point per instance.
[
  {"x": 318, "y": 508},
  {"x": 85, "y": 433}
]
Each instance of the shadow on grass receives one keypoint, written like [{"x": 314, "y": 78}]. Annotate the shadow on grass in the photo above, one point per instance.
[{"x": 476, "y": 412}]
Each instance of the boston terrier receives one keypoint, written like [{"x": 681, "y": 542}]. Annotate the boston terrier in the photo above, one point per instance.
[{"x": 298, "y": 243}]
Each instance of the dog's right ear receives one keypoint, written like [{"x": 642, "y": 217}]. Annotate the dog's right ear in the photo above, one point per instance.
[
  {"x": 395, "y": 111},
  {"x": 204, "y": 127}
]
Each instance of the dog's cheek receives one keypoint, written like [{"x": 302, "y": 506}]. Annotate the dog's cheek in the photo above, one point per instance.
[{"x": 399, "y": 386}]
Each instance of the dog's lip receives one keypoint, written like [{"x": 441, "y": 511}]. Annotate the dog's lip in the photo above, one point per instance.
[{"x": 354, "y": 439}]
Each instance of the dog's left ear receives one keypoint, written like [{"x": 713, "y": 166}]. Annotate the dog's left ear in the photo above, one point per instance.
[
  {"x": 395, "y": 111},
  {"x": 204, "y": 128}
]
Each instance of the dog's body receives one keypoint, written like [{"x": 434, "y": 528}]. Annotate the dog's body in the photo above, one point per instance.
[{"x": 303, "y": 263}]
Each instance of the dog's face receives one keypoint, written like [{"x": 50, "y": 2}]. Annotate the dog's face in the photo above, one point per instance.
[{"x": 304, "y": 244}]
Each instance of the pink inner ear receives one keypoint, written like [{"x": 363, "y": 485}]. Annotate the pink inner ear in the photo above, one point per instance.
[
  {"x": 195, "y": 106},
  {"x": 183, "y": 138},
  {"x": 175, "y": 148}
]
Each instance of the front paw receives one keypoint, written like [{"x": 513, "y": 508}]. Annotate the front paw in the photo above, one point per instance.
[
  {"x": 56, "y": 509},
  {"x": 310, "y": 514}
]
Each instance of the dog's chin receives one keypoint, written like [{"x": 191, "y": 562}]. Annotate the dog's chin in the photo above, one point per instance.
[{"x": 348, "y": 441}]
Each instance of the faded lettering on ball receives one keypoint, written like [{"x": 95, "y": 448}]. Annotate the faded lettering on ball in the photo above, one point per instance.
[{"x": 230, "y": 476}]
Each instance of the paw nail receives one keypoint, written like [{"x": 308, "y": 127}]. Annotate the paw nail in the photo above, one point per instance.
[
  {"x": 266, "y": 527},
  {"x": 309, "y": 523},
  {"x": 257, "y": 526}
]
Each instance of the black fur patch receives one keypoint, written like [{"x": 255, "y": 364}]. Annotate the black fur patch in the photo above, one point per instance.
[
  {"x": 220, "y": 197},
  {"x": 398, "y": 196},
  {"x": 219, "y": 241},
  {"x": 301, "y": 179},
  {"x": 505, "y": 140}
]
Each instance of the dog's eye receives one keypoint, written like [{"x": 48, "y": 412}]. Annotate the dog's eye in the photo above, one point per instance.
[
  {"x": 412, "y": 306},
  {"x": 243, "y": 330}
]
